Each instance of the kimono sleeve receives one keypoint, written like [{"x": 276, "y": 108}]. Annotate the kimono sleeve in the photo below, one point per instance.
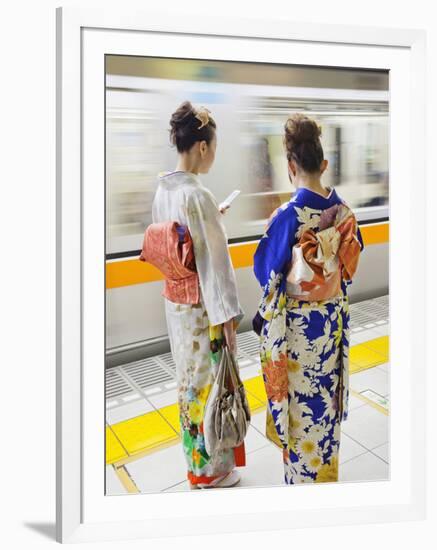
[
  {"x": 213, "y": 263},
  {"x": 274, "y": 252}
]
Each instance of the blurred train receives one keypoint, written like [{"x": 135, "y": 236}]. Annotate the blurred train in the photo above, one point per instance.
[{"x": 352, "y": 108}]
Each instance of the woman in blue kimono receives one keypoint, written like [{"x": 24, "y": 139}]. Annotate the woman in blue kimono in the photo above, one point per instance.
[{"x": 304, "y": 262}]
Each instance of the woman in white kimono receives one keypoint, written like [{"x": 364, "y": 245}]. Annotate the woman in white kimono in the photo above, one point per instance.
[{"x": 197, "y": 331}]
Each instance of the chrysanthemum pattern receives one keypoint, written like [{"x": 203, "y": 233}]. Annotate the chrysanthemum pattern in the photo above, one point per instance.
[{"x": 304, "y": 359}]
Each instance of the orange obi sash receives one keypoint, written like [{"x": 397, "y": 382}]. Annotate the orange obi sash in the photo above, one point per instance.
[{"x": 322, "y": 258}]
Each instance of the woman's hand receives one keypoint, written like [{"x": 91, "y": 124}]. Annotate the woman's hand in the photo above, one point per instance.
[{"x": 230, "y": 335}]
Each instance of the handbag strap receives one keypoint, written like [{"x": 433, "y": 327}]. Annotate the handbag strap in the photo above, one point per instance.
[
  {"x": 221, "y": 375},
  {"x": 232, "y": 368}
]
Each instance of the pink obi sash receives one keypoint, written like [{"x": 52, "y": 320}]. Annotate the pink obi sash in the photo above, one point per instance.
[{"x": 168, "y": 246}]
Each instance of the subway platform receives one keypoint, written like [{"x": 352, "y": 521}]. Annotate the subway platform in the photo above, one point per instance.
[{"x": 143, "y": 449}]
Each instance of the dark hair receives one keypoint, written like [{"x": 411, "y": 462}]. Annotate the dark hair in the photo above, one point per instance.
[
  {"x": 185, "y": 130},
  {"x": 302, "y": 142}
]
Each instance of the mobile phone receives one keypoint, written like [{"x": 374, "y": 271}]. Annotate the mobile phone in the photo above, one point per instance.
[{"x": 228, "y": 200}]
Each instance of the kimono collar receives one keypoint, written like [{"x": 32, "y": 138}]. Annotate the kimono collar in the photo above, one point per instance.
[
  {"x": 315, "y": 200},
  {"x": 177, "y": 177}
]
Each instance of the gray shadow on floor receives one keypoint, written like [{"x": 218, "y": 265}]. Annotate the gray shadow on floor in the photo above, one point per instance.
[{"x": 48, "y": 530}]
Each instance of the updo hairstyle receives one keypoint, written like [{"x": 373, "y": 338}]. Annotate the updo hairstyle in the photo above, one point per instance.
[
  {"x": 184, "y": 127},
  {"x": 302, "y": 142}
]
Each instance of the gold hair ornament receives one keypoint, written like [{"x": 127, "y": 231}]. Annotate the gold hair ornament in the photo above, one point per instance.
[{"x": 202, "y": 115}]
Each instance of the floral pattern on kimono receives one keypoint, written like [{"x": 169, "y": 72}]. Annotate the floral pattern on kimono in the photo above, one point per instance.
[
  {"x": 303, "y": 349},
  {"x": 196, "y": 347}
]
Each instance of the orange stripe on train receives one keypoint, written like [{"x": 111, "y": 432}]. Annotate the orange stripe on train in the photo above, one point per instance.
[{"x": 134, "y": 272}]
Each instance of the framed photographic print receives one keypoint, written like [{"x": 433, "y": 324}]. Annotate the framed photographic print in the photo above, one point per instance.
[{"x": 243, "y": 186}]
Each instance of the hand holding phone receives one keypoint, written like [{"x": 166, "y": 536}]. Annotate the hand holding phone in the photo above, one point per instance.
[{"x": 228, "y": 200}]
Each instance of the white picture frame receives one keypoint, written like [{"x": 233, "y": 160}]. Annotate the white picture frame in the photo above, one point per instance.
[{"x": 83, "y": 512}]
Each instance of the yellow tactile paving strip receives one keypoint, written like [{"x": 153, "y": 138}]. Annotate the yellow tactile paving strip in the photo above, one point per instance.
[
  {"x": 148, "y": 430},
  {"x": 114, "y": 449},
  {"x": 133, "y": 438},
  {"x": 132, "y": 272},
  {"x": 256, "y": 393},
  {"x": 369, "y": 354}
]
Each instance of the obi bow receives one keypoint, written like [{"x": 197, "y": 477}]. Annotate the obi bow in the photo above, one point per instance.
[
  {"x": 169, "y": 247},
  {"x": 321, "y": 256}
]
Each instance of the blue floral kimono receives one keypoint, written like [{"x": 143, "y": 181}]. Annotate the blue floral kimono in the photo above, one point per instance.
[{"x": 304, "y": 344}]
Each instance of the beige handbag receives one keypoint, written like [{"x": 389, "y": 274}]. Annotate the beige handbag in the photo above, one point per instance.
[{"x": 227, "y": 413}]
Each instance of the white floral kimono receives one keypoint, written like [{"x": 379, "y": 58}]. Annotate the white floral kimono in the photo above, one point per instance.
[{"x": 195, "y": 331}]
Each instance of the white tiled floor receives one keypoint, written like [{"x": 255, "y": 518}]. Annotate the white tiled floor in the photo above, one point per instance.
[
  {"x": 385, "y": 367},
  {"x": 382, "y": 451},
  {"x": 349, "y": 448},
  {"x": 263, "y": 468},
  {"x": 113, "y": 483},
  {"x": 181, "y": 486},
  {"x": 163, "y": 399},
  {"x": 367, "y": 426},
  {"x": 363, "y": 456},
  {"x": 365, "y": 467},
  {"x": 250, "y": 372},
  {"x": 355, "y": 402},
  {"x": 364, "y": 336},
  {"x": 363, "y": 449},
  {"x": 260, "y": 470},
  {"x": 124, "y": 412},
  {"x": 381, "y": 330},
  {"x": 258, "y": 422},
  {"x": 158, "y": 470},
  {"x": 254, "y": 440},
  {"x": 375, "y": 379}
]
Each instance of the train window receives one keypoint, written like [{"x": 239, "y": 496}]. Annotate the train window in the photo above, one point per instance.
[
  {"x": 355, "y": 143},
  {"x": 352, "y": 111}
]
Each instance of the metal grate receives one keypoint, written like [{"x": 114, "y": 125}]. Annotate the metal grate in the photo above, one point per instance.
[
  {"x": 116, "y": 385},
  {"x": 147, "y": 373},
  {"x": 155, "y": 373},
  {"x": 383, "y": 300},
  {"x": 167, "y": 360},
  {"x": 247, "y": 344},
  {"x": 360, "y": 319},
  {"x": 369, "y": 312},
  {"x": 374, "y": 309}
]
